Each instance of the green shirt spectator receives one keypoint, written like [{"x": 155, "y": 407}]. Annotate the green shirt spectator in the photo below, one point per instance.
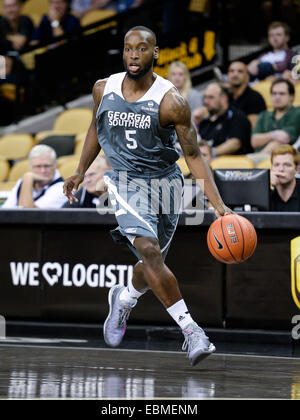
[
  {"x": 289, "y": 122},
  {"x": 281, "y": 126}
]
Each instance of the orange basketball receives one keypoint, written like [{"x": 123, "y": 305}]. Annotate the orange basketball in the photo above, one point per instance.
[{"x": 231, "y": 239}]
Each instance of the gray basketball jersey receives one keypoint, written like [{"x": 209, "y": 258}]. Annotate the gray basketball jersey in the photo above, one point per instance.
[{"x": 130, "y": 133}]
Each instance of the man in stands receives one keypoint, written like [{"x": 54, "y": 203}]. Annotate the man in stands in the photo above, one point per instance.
[
  {"x": 276, "y": 61},
  {"x": 56, "y": 23},
  {"x": 227, "y": 130},
  {"x": 285, "y": 161},
  {"x": 241, "y": 95},
  {"x": 93, "y": 186},
  {"x": 281, "y": 126},
  {"x": 15, "y": 32},
  {"x": 42, "y": 186}
]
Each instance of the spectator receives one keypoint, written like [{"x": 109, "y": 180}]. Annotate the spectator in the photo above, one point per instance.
[
  {"x": 285, "y": 161},
  {"x": 93, "y": 186},
  {"x": 82, "y": 7},
  {"x": 15, "y": 32},
  {"x": 42, "y": 186},
  {"x": 241, "y": 95},
  {"x": 226, "y": 129},
  {"x": 179, "y": 75},
  {"x": 280, "y": 126},
  {"x": 56, "y": 23},
  {"x": 276, "y": 61}
]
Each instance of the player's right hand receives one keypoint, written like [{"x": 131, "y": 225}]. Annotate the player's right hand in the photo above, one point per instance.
[{"x": 71, "y": 186}]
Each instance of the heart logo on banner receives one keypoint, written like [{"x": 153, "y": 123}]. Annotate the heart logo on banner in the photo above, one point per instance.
[{"x": 52, "y": 278}]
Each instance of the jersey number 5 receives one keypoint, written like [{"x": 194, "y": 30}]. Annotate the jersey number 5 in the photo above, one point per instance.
[{"x": 132, "y": 142}]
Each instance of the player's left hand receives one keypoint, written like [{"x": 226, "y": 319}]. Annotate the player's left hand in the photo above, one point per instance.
[
  {"x": 223, "y": 211},
  {"x": 71, "y": 185}
]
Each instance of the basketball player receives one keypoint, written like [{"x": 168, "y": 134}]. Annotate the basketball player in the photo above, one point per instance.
[{"x": 136, "y": 117}]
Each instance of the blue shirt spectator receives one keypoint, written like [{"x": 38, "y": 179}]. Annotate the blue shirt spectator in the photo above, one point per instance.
[{"x": 57, "y": 22}]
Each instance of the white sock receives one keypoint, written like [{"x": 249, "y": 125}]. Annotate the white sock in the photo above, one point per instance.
[
  {"x": 130, "y": 295},
  {"x": 180, "y": 314}
]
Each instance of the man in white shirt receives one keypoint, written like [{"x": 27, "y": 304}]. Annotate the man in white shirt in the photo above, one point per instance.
[
  {"x": 42, "y": 186},
  {"x": 277, "y": 61}
]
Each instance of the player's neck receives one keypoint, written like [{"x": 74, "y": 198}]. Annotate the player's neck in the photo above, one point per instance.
[{"x": 134, "y": 89}]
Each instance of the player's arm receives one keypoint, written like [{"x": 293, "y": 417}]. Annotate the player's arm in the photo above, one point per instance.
[
  {"x": 175, "y": 111},
  {"x": 90, "y": 149}
]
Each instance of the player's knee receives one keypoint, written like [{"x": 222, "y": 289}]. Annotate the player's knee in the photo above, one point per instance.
[{"x": 150, "y": 251}]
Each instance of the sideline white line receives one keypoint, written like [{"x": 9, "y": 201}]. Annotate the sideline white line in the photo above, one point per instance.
[{"x": 147, "y": 351}]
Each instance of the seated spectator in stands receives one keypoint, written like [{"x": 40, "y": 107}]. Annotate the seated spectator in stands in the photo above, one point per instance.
[
  {"x": 276, "y": 61},
  {"x": 281, "y": 126},
  {"x": 241, "y": 95},
  {"x": 56, "y": 23},
  {"x": 179, "y": 75},
  {"x": 42, "y": 186},
  {"x": 93, "y": 186},
  {"x": 15, "y": 32},
  {"x": 226, "y": 129},
  {"x": 81, "y": 7},
  {"x": 285, "y": 161}
]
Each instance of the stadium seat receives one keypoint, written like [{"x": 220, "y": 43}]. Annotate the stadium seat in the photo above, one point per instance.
[
  {"x": 63, "y": 159},
  {"x": 79, "y": 146},
  {"x": 7, "y": 185},
  {"x": 72, "y": 121},
  {"x": 183, "y": 166},
  {"x": 297, "y": 95},
  {"x": 232, "y": 162},
  {"x": 68, "y": 167},
  {"x": 8, "y": 91},
  {"x": 35, "y": 17},
  {"x": 95, "y": 16},
  {"x": 198, "y": 6},
  {"x": 263, "y": 87},
  {"x": 39, "y": 7},
  {"x": 264, "y": 164},
  {"x": 15, "y": 146},
  {"x": 18, "y": 170},
  {"x": 4, "y": 168}
]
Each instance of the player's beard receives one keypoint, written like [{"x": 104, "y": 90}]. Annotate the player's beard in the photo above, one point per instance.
[{"x": 148, "y": 66}]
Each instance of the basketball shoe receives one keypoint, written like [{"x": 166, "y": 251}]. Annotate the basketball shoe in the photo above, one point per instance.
[
  {"x": 115, "y": 324},
  {"x": 197, "y": 344}
]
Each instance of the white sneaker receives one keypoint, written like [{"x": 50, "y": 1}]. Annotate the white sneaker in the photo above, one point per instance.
[
  {"x": 115, "y": 324},
  {"x": 197, "y": 344}
]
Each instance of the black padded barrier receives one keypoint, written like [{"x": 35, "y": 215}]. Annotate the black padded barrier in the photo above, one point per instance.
[{"x": 58, "y": 266}]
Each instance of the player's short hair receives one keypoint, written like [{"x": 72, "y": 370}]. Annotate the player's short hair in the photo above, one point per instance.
[
  {"x": 275, "y": 25},
  {"x": 42, "y": 150},
  {"x": 145, "y": 29},
  {"x": 283, "y": 149},
  {"x": 291, "y": 87}
]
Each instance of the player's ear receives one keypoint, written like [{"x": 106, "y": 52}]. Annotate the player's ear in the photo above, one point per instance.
[{"x": 156, "y": 52}]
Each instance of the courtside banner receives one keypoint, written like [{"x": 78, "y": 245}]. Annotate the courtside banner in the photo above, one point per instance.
[
  {"x": 295, "y": 270},
  {"x": 64, "y": 273}
]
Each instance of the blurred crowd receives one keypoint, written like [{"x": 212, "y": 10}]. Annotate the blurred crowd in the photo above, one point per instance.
[{"x": 253, "y": 110}]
